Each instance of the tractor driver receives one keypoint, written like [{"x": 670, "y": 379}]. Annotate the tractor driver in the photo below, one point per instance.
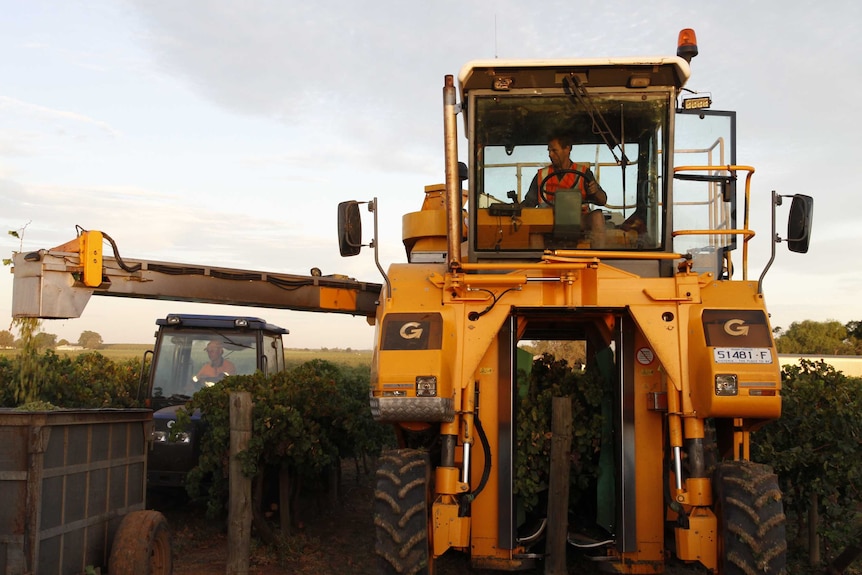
[
  {"x": 559, "y": 151},
  {"x": 218, "y": 366}
]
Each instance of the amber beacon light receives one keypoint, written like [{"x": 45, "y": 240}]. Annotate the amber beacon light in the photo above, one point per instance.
[{"x": 686, "y": 46}]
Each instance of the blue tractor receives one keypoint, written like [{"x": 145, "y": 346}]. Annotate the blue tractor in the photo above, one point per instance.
[{"x": 194, "y": 351}]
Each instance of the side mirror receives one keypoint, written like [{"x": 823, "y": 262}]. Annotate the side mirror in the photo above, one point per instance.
[
  {"x": 349, "y": 228},
  {"x": 798, "y": 228},
  {"x": 144, "y": 380},
  {"x": 799, "y": 223}
]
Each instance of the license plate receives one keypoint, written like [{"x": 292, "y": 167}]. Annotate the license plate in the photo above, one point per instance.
[{"x": 742, "y": 355}]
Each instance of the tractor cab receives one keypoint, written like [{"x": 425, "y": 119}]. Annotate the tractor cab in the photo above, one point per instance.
[{"x": 193, "y": 352}]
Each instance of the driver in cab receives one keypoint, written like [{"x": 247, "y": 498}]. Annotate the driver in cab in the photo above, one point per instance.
[
  {"x": 218, "y": 366},
  {"x": 563, "y": 174}
]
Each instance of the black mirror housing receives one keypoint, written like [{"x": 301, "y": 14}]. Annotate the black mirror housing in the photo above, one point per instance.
[
  {"x": 349, "y": 228},
  {"x": 799, "y": 223}
]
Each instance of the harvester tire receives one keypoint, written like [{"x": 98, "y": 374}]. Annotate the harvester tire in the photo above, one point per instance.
[
  {"x": 751, "y": 520},
  {"x": 401, "y": 513},
  {"x": 142, "y": 545}
]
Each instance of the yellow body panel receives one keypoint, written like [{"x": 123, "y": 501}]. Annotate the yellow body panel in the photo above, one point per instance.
[
  {"x": 698, "y": 542},
  {"x": 450, "y": 531}
]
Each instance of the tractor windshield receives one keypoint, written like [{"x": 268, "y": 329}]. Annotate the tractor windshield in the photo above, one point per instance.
[
  {"x": 186, "y": 361},
  {"x": 615, "y": 140}
]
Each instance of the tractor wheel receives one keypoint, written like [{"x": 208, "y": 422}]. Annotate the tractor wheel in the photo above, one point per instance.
[
  {"x": 401, "y": 513},
  {"x": 142, "y": 545},
  {"x": 751, "y": 521}
]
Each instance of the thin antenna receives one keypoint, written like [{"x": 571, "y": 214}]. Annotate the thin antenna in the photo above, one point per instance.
[{"x": 495, "y": 37}]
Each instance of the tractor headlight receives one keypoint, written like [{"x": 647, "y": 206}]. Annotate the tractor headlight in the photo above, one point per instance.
[
  {"x": 183, "y": 437},
  {"x": 726, "y": 384},
  {"x": 165, "y": 437},
  {"x": 426, "y": 386}
]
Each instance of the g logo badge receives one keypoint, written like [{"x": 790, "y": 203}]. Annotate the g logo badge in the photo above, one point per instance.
[
  {"x": 411, "y": 330},
  {"x": 735, "y": 327}
]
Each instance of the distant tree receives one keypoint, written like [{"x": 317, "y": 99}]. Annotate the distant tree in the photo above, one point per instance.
[
  {"x": 90, "y": 340},
  {"x": 44, "y": 340},
  {"x": 815, "y": 337},
  {"x": 6, "y": 338},
  {"x": 854, "y": 336},
  {"x": 62, "y": 342}
]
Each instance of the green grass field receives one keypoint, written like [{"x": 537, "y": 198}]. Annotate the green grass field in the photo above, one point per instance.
[
  {"x": 123, "y": 351},
  {"x": 293, "y": 357},
  {"x": 114, "y": 352}
]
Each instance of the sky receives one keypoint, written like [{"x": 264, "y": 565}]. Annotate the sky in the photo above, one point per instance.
[{"x": 225, "y": 133}]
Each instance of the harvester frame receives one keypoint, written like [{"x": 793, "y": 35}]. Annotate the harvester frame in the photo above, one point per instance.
[{"x": 693, "y": 369}]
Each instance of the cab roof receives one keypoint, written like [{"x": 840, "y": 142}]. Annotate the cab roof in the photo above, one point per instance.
[
  {"x": 594, "y": 72},
  {"x": 223, "y": 322}
]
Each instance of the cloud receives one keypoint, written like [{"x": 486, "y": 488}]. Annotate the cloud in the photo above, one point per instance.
[
  {"x": 364, "y": 78},
  {"x": 148, "y": 224},
  {"x": 11, "y": 106},
  {"x": 279, "y": 60}
]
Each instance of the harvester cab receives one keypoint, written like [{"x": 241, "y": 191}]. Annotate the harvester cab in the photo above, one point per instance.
[{"x": 627, "y": 248}]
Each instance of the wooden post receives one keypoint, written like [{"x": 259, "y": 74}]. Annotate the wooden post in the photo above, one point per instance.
[
  {"x": 813, "y": 535},
  {"x": 284, "y": 508},
  {"x": 558, "y": 486},
  {"x": 239, "y": 511}
]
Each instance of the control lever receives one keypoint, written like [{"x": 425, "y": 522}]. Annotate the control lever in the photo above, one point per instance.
[{"x": 503, "y": 209}]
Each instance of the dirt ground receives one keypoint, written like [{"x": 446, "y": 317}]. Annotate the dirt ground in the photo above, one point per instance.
[
  {"x": 332, "y": 542},
  {"x": 339, "y": 541}
]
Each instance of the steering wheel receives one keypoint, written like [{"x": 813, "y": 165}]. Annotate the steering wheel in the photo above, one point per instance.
[
  {"x": 543, "y": 193},
  {"x": 208, "y": 380}
]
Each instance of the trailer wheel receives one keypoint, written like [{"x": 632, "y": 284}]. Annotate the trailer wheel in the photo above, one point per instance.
[
  {"x": 401, "y": 513},
  {"x": 751, "y": 520},
  {"x": 142, "y": 545}
]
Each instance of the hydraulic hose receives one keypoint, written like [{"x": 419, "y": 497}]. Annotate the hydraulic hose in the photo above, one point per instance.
[
  {"x": 464, "y": 507},
  {"x": 486, "y": 451}
]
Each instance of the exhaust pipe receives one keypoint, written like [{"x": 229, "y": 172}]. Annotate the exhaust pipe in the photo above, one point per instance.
[{"x": 453, "y": 182}]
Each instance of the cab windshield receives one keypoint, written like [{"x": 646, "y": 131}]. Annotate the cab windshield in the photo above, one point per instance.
[
  {"x": 614, "y": 139},
  {"x": 185, "y": 364}
]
